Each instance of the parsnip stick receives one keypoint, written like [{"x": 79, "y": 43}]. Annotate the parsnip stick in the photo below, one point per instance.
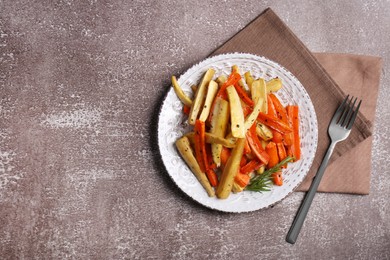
[
  {"x": 241, "y": 81},
  {"x": 221, "y": 79},
  {"x": 183, "y": 145},
  {"x": 180, "y": 93},
  {"x": 218, "y": 126},
  {"x": 211, "y": 92},
  {"x": 249, "y": 80},
  {"x": 274, "y": 85},
  {"x": 259, "y": 90},
  {"x": 263, "y": 95},
  {"x": 236, "y": 113},
  {"x": 214, "y": 139},
  {"x": 231, "y": 169},
  {"x": 194, "y": 88},
  {"x": 200, "y": 96},
  {"x": 263, "y": 131},
  {"x": 237, "y": 188},
  {"x": 251, "y": 119}
]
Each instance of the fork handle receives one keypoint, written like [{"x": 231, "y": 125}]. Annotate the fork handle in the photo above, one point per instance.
[{"x": 296, "y": 226}]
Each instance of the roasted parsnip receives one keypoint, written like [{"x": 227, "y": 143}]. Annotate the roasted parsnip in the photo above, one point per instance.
[
  {"x": 200, "y": 96},
  {"x": 259, "y": 90},
  {"x": 236, "y": 113},
  {"x": 183, "y": 145},
  {"x": 211, "y": 92},
  {"x": 230, "y": 170},
  {"x": 180, "y": 93},
  {"x": 213, "y": 139},
  {"x": 249, "y": 79},
  {"x": 274, "y": 85},
  {"x": 218, "y": 126}
]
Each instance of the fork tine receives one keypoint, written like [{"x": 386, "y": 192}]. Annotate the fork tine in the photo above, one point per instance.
[
  {"x": 337, "y": 115},
  {"x": 345, "y": 112},
  {"x": 350, "y": 110},
  {"x": 354, "y": 116}
]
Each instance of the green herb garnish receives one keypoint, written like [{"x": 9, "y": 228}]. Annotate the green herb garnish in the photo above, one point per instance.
[{"x": 263, "y": 182}]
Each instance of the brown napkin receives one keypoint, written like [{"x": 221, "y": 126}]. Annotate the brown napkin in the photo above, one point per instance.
[
  {"x": 359, "y": 76},
  {"x": 268, "y": 36}
]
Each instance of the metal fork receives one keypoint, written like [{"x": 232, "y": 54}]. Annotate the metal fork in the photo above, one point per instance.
[{"x": 339, "y": 129}]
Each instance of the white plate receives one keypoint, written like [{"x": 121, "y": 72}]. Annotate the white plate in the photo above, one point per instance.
[{"x": 172, "y": 125}]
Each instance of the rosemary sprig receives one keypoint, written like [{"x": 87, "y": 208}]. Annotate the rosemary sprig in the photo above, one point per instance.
[{"x": 263, "y": 182}]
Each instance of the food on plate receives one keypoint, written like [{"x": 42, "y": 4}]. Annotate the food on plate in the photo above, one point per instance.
[
  {"x": 230, "y": 170},
  {"x": 183, "y": 145},
  {"x": 200, "y": 96},
  {"x": 180, "y": 93},
  {"x": 243, "y": 136}
]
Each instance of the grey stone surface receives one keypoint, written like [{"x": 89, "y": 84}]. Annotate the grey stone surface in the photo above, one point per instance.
[{"x": 80, "y": 84}]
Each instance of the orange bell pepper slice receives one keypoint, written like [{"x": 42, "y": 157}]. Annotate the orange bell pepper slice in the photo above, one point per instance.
[
  {"x": 271, "y": 107},
  {"x": 225, "y": 154},
  {"x": 256, "y": 146},
  {"x": 242, "y": 94},
  {"x": 277, "y": 137},
  {"x": 281, "y": 153},
  {"x": 242, "y": 179},
  {"x": 234, "y": 77},
  {"x": 292, "y": 112},
  {"x": 279, "y": 108},
  {"x": 213, "y": 178},
  {"x": 200, "y": 144},
  {"x": 277, "y": 178},
  {"x": 210, "y": 161},
  {"x": 251, "y": 166},
  {"x": 281, "y": 113},
  {"x": 274, "y": 123},
  {"x": 273, "y": 154},
  {"x": 197, "y": 146}
]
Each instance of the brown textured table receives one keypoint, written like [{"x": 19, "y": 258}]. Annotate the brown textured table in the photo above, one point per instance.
[{"x": 80, "y": 175}]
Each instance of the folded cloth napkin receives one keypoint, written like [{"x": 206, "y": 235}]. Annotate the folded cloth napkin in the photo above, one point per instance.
[
  {"x": 349, "y": 168},
  {"x": 359, "y": 76}
]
